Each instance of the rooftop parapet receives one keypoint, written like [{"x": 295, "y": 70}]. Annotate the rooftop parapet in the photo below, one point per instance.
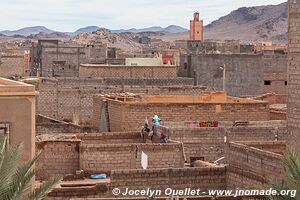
[{"x": 14, "y": 88}]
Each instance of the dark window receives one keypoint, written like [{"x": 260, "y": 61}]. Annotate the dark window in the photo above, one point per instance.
[
  {"x": 285, "y": 82},
  {"x": 5, "y": 130},
  {"x": 185, "y": 66},
  {"x": 267, "y": 82}
]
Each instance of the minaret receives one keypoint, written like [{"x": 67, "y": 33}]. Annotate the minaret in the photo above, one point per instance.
[{"x": 196, "y": 28}]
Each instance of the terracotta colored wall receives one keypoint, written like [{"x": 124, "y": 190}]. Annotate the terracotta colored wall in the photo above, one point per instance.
[
  {"x": 20, "y": 112},
  {"x": 204, "y": 178},
  {"x": 102, "y": 152},
  {"x": 209, "y": 143},
  {"x": 250, "y": 166},
  {"x": 127, "y": 117},
  {"x": 106, "y": 157},
  {"x": 196, "y": 28},
  {"x": 58, "y": 158}
]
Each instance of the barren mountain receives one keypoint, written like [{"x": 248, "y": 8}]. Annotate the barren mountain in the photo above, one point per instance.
[
  {"x": 168, "y": 29},
  {"x": 259, "y": 23},
  {"x": 27, "y": 31}
]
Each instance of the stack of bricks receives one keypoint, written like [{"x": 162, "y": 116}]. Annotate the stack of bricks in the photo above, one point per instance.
[{"x": 293, "y": 73}]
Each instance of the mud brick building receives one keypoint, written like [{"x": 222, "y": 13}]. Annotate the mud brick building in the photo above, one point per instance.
[
  {"x": 250, "y": 164},
  {"x": 103, "y": 152},
  {"x": 52, "y": 58},
  {"x": 129, "y": 113},
  {"x": 17, "y": 115},
  {"x": 202, "y": 47},
  {"x": 246, "y": 74},
  {"x": 69, "y": 97},
  {"x": 293, "y": 73},
  {"x": 123, "y": 71},
  {"x": 14, "y": 62},
  {"x": 275, "y": 74},
  {"x": 209, "y": 144},
  {"x": 247, "y": 163}
]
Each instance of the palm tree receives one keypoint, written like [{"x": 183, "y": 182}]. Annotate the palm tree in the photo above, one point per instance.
[
  {"x": 292, "y": 183},
  {"x": 16, "y": 179}
]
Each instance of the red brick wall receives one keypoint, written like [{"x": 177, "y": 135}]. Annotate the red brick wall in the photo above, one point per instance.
[
  {"x": 250, "y": 166},
  {"x": 101, "y": 152},
  {"x": 209, "y": 143},
  {"x": 106, "y": 157},
  {"x": 278, "y": 147},
  {"x": 204, "y": 178},
  {"x": 131, "y": 117},
  {"x": 58, "y": 158},
  {"x": 111, "y": 138}
]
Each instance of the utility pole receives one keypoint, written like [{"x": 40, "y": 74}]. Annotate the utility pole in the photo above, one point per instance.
[{"x": 224, "y": 78}]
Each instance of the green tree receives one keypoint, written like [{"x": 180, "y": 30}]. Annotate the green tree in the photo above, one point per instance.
[
  {"x": 16, "y": 178},
  {"x": 292, "y": 183}
]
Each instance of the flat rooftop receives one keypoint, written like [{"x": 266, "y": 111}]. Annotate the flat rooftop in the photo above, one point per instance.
[
  {"x": 15, "y": 88},
  {"x": 223, "y": 124},
  {"x": 209, "y": 97},
  {"x": 133, "y": 66}
]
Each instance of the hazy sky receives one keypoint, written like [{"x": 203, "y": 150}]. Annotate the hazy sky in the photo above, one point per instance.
[{"x": 69, "y": 15}]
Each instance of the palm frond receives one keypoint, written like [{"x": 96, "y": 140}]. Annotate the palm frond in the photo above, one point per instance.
[
  {"x": 292, "y": 183},
  {"x": 23, "y": 177},
  {"x": 15, "y": 178},
  {"x": 44, "y": 189},
  {"x": 8, "y": 167}
]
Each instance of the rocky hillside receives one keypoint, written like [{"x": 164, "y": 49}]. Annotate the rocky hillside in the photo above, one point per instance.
[
  {"x": 123, "y": 41},
  {"x": 252, "y": 24}
]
